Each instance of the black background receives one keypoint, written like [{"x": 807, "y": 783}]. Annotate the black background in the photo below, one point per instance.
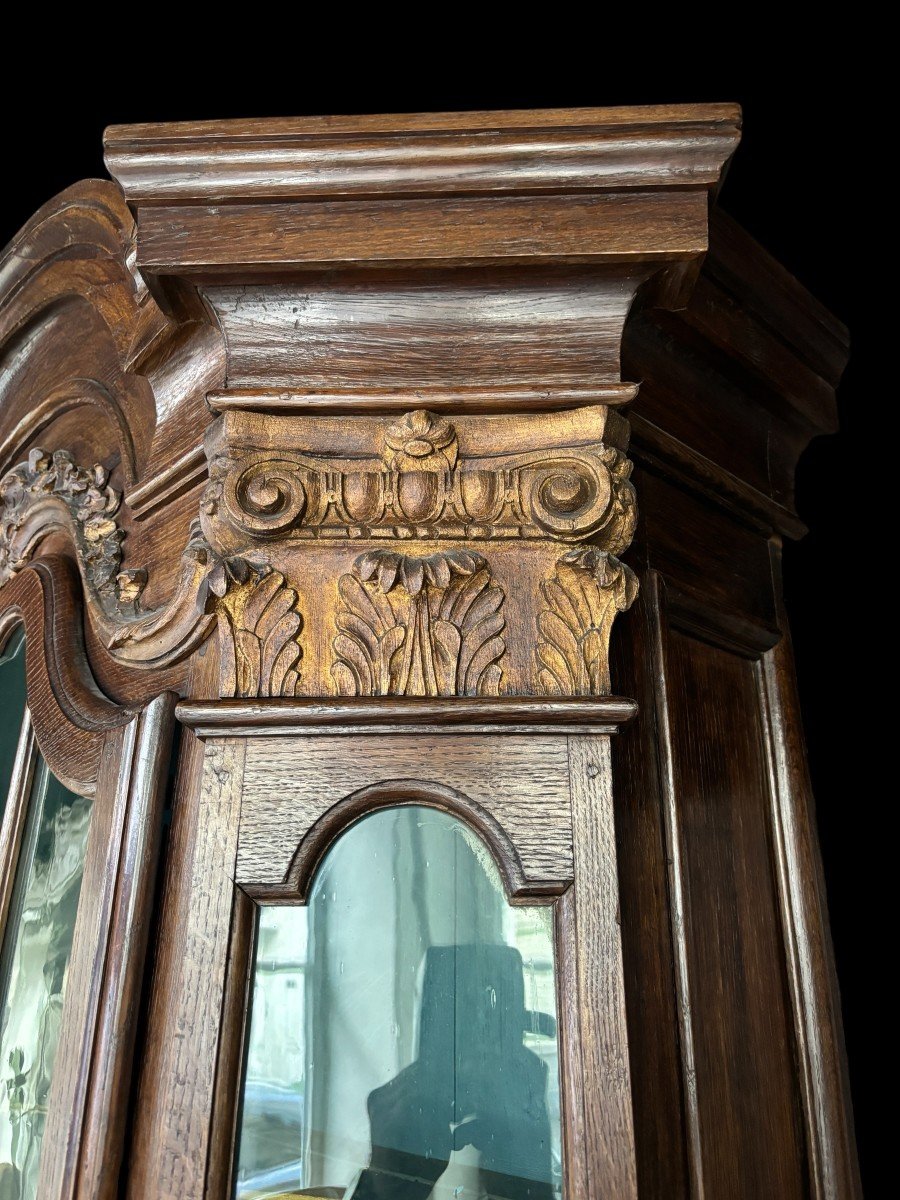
[{"x": 793, "y": 184}]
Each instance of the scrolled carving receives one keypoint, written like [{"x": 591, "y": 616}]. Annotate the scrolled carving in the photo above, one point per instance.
[
  {"x": 48, "y": 492},
  {"x": 569, "y": 496},
  {"x": 583, "y": 595},
  {"x": 259, "y": 630},
  {"x": 422, "y": 488},
  {"x": 263, "y": 498},
  {"x": 419, "y": 626}
]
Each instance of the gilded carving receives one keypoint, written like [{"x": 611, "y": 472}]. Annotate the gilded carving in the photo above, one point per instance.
[
  {"x": 259, "y": 630},
  {"x": 421, "y": 441},
  {"x": 419, "y": 626},
  {"x": 583, "y": 595},
  {"x": 423, "y": 488}
]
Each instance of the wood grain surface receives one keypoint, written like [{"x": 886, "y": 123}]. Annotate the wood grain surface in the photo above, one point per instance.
[
  {"x": 172, "y": 1136},
  {"x": 522, "y": 782},
  {"x": 609, "y": 1127}
]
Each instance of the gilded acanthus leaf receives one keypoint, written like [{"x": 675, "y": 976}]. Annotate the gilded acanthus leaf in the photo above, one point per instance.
[
  {"x": 582, "y": 596},
  {"x": 259, "y": 636},
  {"x": 419, "y": 626}
]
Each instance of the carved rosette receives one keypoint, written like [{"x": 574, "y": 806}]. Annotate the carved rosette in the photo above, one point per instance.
[
  {"x": 419, "y": 626},
  {"x": 583, "y": 595}
]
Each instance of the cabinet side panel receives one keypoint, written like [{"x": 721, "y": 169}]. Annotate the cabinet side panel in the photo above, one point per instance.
[
  {"x": 647, "y": 952},
  {"x": 747, "y": 1085}
]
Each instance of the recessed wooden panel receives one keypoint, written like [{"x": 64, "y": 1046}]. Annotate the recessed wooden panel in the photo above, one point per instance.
[
  {"x": 647, "y": 952},
  {"x": 747, "y": 1088},
  {"x": 523, "y": 782}
]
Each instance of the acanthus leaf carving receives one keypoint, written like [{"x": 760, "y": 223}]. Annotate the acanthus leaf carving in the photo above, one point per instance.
[
  {"x": 583, "y": 595},
  {"x": 259, "y": 630},
  {"x": 419, "y": 626}
]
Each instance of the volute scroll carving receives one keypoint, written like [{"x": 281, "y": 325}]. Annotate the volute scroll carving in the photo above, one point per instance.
[{"x": 421, "y": 485}]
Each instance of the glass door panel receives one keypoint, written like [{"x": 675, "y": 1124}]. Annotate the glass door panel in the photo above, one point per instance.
[
  {"x": 34, "y": 963},
  {"x": 402, "y": 1038}
]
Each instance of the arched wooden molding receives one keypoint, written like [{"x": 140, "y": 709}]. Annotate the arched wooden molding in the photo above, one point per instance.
[
  {"x": 78, "y": 251},
  {"x": 96, "y": 364},
  {"x": 394, "y": 793}
]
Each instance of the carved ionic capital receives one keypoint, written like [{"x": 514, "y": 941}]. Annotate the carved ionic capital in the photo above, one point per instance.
[{"x": 423, "y": 486}]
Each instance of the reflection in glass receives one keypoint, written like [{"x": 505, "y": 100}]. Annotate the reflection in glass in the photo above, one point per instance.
[
  {"x": 12, "y": 709},
  {"x": 33, "y": 967},
  {"x": 402, "y": 1039}
]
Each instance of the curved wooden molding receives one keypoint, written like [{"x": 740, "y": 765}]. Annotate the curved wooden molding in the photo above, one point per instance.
[
  {"x": 69, "y": 713},
  {"x": 79, "y": 250},
  {"x": 394, "y": 793},
  {"x": 49, "y": 493}
]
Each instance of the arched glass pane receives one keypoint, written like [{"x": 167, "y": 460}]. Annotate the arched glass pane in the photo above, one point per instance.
[
  {"x": 402, "y": 1039},
  {"x": 12, "y": 708},
  {"x": 34, "y": 964}
]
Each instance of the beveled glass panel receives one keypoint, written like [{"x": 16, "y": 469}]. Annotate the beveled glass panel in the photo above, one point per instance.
[
  {"x": 12, "y": 708},
  {"x": 402, "y": 1037},
  {"x": 33, "y": 967}
]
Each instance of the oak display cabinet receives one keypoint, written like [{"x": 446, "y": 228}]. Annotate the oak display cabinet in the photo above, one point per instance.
[{"x": 337, "y": 859}]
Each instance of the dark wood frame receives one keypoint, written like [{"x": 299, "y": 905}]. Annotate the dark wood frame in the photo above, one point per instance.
[
  {"x": 203, "y": 969},
  {"x": 117, "y": 757}
]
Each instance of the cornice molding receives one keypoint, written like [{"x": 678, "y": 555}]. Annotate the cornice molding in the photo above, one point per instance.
[{"x": 423, "y": 154}]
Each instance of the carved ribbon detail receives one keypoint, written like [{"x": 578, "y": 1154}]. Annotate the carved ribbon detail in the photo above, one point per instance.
[
  {"x": 583, "y": 595},
  {"x": 419, "y": 626}
]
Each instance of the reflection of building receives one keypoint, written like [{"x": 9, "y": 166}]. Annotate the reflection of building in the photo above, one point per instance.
[{"x": 424, "y": 880}]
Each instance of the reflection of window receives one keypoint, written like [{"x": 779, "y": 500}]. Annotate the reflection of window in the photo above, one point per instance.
[
  {"x": 402, "y": 1039},
  {"x": 37, "y": 942}
]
